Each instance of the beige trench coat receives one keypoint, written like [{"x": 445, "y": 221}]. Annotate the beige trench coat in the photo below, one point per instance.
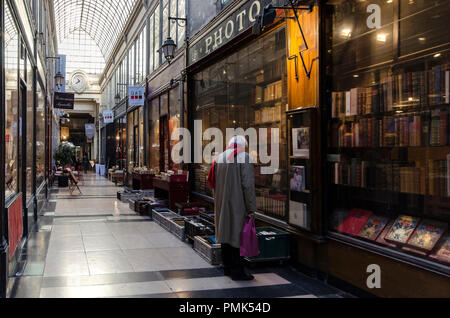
[{"x": 234, "y": 196}]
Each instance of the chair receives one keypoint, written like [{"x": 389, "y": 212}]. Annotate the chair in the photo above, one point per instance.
[{"x": 73, "y": 182}]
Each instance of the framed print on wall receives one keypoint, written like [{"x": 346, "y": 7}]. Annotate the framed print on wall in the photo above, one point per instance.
[{"x": 301, "y": 142}]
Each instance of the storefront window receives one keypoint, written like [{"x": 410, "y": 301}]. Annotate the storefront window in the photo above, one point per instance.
[
  {"x": 135, "y": 139},
  {"x": 40, "y": 137},
  {"x": 141, "y": 136},
  {"x": 174, "y": 121},
  {"x": 154, "y": 134},
  {"x": 130, "y": 141},
  {"x": 389, "y": 145},
  {"x": 120, "y": 125},
  {"x": 30, "y": 130},
  {"x": 11, "y": 106},
  {"x": 248, "y": 89}
]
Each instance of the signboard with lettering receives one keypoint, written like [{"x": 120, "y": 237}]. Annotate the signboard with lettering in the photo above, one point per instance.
[
  {"x": 237, "y": 23},
  {"x": 64, "y": 100},
  {"x": 136, "y": 96},
  {"x": 108, "y": 116},
  {"x": 90, "y": 130}
]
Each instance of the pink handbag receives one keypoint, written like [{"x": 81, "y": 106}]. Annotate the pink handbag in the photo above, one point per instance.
[{"x": 249, "y": 239}]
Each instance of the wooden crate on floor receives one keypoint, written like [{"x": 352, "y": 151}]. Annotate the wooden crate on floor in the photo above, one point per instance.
[{"x": 212, "y": 253}]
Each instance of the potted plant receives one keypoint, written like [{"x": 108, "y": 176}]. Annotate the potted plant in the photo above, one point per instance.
[{"x": 64, "y": 155}]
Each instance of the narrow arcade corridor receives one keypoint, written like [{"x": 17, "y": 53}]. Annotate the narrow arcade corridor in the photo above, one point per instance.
[{"x": 92, "y": 245}]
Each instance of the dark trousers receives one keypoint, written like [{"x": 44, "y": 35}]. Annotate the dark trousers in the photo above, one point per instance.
[{"x": 232, "y": 260}]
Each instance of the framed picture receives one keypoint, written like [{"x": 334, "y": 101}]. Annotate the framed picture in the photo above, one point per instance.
[
  {"x": 299, "y": 215},
  {"x": 427, "y": 235},
  {"x": 301, "y": 142},
  {"x": 374, "y": 227},
  {"x": 402, "y": 229},
  {"x": 298, "y": 178}
]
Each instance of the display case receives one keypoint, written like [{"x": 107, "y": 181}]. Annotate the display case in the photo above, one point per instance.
[
  {"x": 304, "y": 165},
  {"x": 389, "y": 145}
]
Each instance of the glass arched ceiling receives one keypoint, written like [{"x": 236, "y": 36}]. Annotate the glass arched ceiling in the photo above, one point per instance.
[{"x": 90, "y": 28}]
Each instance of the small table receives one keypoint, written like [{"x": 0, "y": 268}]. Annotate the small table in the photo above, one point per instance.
[
  {"x": 176, "y": 192},
  {"x": 143, "y": 181},
  {"x": 115, "y": 176}
]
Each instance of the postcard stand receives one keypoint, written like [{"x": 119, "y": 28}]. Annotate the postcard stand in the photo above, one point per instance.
[{"x": 304, "y": 168}]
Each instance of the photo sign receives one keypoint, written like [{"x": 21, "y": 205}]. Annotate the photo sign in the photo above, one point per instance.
[
  {"x": 64, "y": 100},
  {"x": 136, "y": 96},
  {"x": 237, "y": 23}
]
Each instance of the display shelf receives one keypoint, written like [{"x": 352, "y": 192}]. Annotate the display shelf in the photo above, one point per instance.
[
  {"x": 390, "y": 203},
  {"x": 400, "y": 255}
]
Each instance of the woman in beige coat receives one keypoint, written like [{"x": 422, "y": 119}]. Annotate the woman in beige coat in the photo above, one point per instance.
[{"x": 232, "y": 177}]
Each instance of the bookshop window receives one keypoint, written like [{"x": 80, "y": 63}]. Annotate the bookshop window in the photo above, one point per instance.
[
  {"x": 389, "y": 145},
  {"x": 154, "y": 134},
  {"x": 11, "y": 107},
  {"x": 174, "y": 121},
  {"x": 248, "y": 89}
]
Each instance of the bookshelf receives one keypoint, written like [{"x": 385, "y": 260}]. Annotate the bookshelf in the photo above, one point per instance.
[{"x": 388, "y": 128}]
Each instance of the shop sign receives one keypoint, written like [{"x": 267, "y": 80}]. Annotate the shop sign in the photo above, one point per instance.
[
  {"x": 108, "y": 116},
  {"x": 136, "y": 96},
  {"x": 239, "y": 21},
  {"x": 90, "y": 130},
  {"x": 64, "y": 100}
]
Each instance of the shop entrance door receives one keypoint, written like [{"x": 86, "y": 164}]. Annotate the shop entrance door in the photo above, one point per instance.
[{"x": 164, "y": 141}]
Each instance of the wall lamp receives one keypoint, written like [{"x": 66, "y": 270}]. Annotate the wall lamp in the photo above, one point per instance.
[
  {"x": 59, "y": 78},
  {"x": 169, "y": 45},
  {"x": 117, "y": 98}
]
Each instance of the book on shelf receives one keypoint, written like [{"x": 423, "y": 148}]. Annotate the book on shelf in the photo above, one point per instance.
[
  {"x": 395, "y": 92},
  {"x": 402, "y": 229},
  {"x": 443, "y": 249},
  {"x": 394, "y": 131},
  {"x": 355, "y": 221},
  {"x": 381, "y": 237},
  {"x": 427, "y": 235},
  {"x": 414, "y": 178},
  {"x": 374, "y": 227}
]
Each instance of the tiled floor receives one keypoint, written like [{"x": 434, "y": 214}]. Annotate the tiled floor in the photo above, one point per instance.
[{"x": 92, "y": 245}]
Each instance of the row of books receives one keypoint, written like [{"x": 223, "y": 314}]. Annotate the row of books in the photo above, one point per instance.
[
  {"x": 416, "y": 178},
  {"x": 423, "y": 236},
  {"x": 397, "y": 91},
  {"x": 268, "y": 93},
  {"x": 268, "y": 114},
  {"x": 420, "y": 130},
  {"x": 270, "y": 204}
]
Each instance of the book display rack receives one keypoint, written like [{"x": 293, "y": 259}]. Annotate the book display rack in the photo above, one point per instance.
[{"x": 389, "y": 136}]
